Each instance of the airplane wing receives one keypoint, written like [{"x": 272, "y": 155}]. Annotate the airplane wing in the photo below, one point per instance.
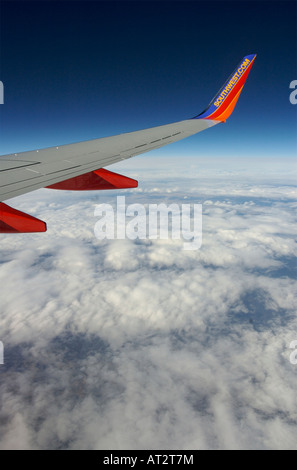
[{"x": 79, "y": 166}]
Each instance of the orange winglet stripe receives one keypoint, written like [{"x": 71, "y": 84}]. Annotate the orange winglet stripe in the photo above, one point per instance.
[{"x": 228, "y": 111}]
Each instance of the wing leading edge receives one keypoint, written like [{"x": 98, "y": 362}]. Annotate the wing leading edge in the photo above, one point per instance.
[{"x": 79, "y": 166}]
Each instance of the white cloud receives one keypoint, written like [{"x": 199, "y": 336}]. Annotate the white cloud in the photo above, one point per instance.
[{"x": 122, "y": 344}]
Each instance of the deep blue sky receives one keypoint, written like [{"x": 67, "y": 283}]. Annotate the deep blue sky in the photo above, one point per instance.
[{"x": 80, "y": 70}]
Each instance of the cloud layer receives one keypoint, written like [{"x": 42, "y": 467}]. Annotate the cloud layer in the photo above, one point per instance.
[{"x": 121, "y": 344}]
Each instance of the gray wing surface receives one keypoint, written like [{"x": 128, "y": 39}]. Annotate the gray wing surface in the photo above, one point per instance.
[{"x": 24, "y": 172}]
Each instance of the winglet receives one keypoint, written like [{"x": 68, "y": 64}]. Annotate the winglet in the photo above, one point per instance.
[{"x": 222, "y": 105}]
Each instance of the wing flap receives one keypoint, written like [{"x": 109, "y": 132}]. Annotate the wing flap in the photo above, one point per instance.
[
  {"x": 14, "y": 221},
  {"x": 96, "y": 180}
]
